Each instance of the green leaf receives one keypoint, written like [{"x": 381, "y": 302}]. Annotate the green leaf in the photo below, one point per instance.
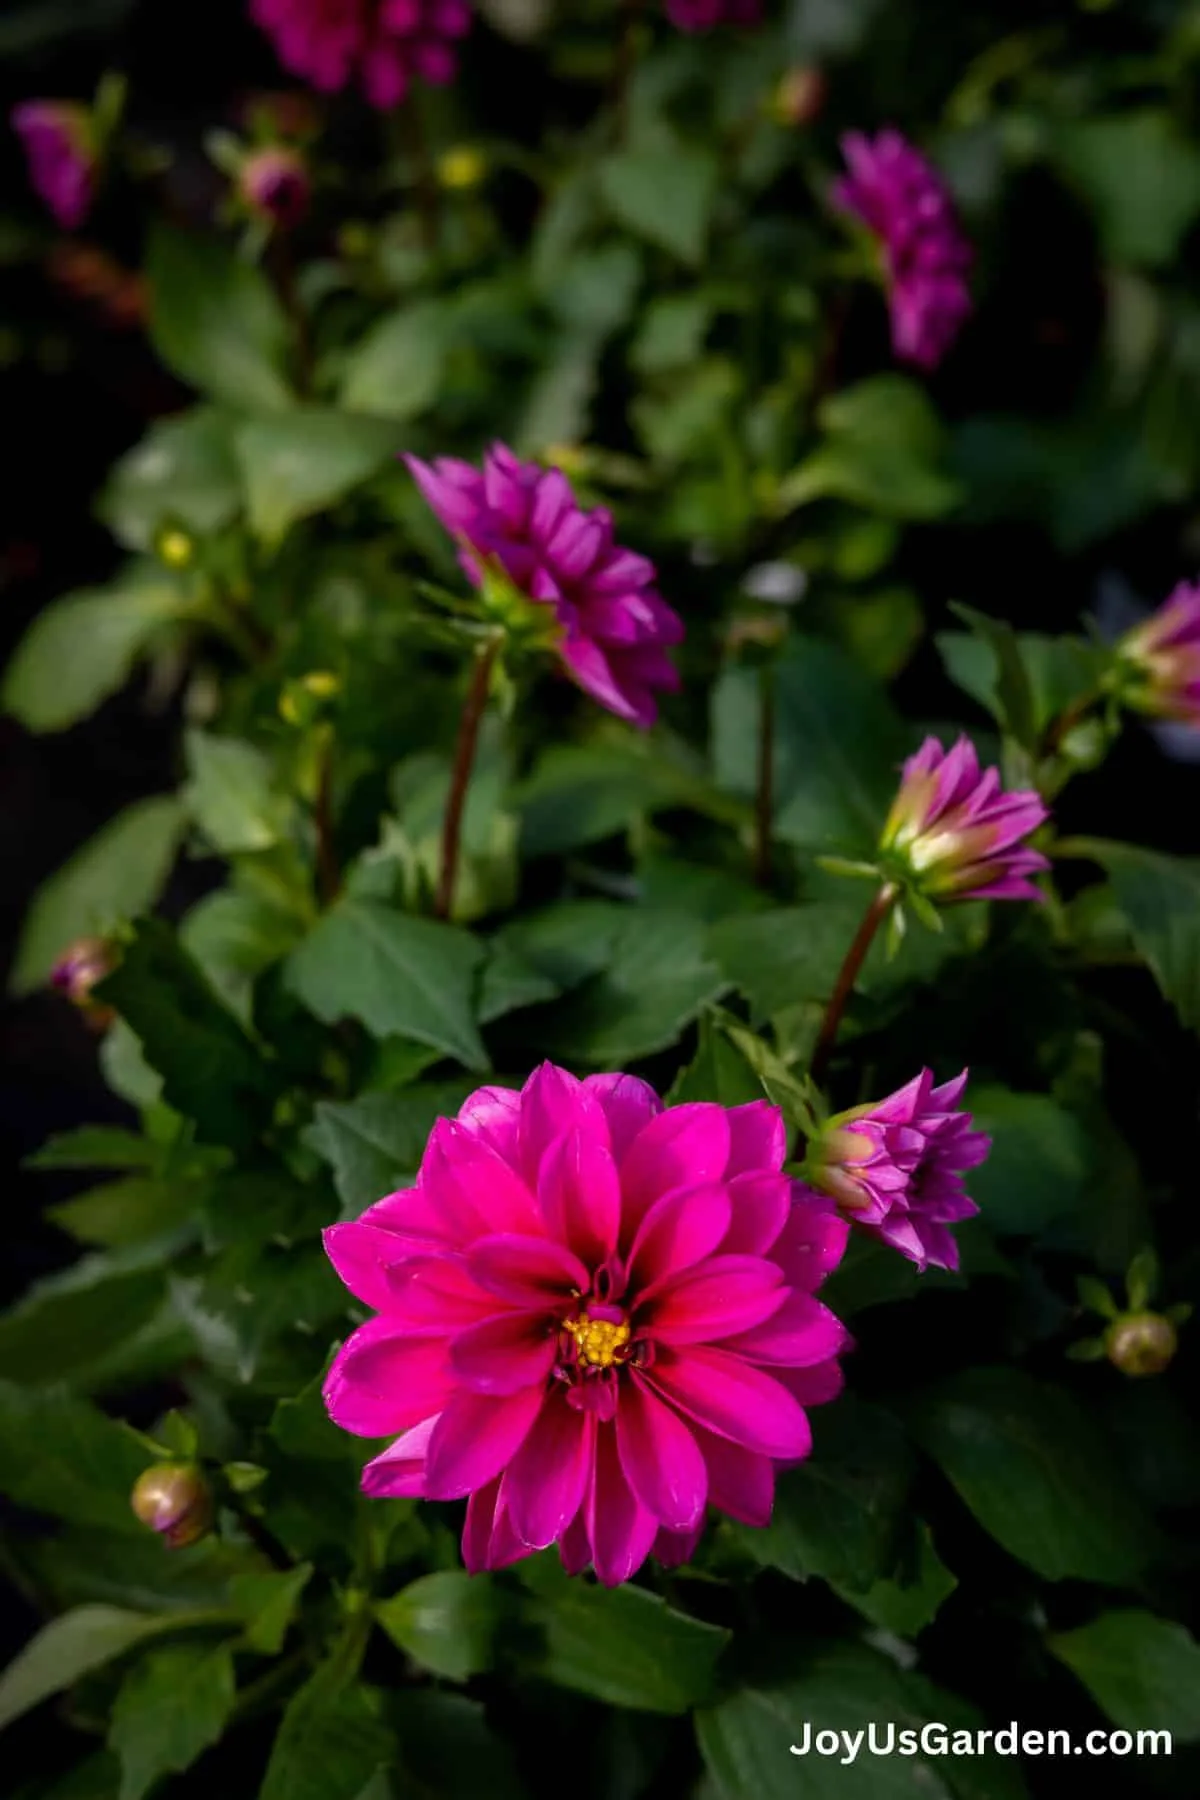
[
  {"x": 399, "y": 975},
  {"x": 171, "y": 1707},
  {"x": 1058, "y": 671},
  {"x": 297, "y": 463},
  {"x": 672, "y": 332},
  {"x": 659, "y": 977},
  {"x": 374, "y": 1144},
  {"x": 1015, "y": 702},
  {"x": 510, "y": 983},
  {"x": 911, "y": 1599},
  {"x": 121, "y": 1213},
  {"x": 664, "y": 193},
  {"x": 330, "y": 1742},
  {"x": 181, "y": 473},
  {"x": 73, "y": 1645},
  {"x": 581, "y": 793},
  {"x": 267, "y": 1603},
  {"x": 1037, "y": 1171},
  {"x": 1160, "y": 897},
  {"x": 718, "y": 1071},
  {"x": 1142, "y": 178},
  {"x": 833, "y": 786},
  {"x": 230, "y": 793},
  {"x": 395, "y": 371},
  {"x": 623, "y": 1646},
  {"x": 883, "y": 449},
  {"x": 448, "y": 1750},
  {"x": 234, "y": 937},
  {"x": 80, "y": 649},
  {"x": 215, "y": 320},
  {"x": 568, "y": 941},
  {"x": 1033, "y": 1468},
  {"x": 94, "y": 1147},
  {"x": 211, "y": 1071},
  {"x": 68, "y": 1326},
  {"x": 1142, "y": 1671},
  {"x": 117, "y": 874},
  {"x": 446, "y": 1622},
  {"x": 86, "y": 1463},
  {"x": 839, "y": 1513}
]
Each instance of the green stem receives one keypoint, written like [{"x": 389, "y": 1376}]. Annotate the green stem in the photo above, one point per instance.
[
  {"x": 764, "y": 808},
  {"x": 460, "y": 779},
  {"x": 848, "y": 974}
]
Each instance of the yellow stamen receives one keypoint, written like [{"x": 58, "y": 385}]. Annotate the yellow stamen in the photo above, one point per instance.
[{"x": 599, "y": 1341}]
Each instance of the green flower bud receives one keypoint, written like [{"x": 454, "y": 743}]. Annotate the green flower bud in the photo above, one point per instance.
[
  {"x": 174, "y": 1500},
  {"x": 1141, "y": 1343}
]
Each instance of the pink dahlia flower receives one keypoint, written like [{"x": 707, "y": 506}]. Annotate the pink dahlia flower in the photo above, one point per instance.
[
  {"x": 274, "y": 182},
  {"x": 612, "y": 628},
  {"x": 1163, "y": 657},
  {"x": 895, "y": 1167},
  {"x": 953, "y": 834},
  {"x": 60, "y": 147},
  {"x": 705, "y": 15},
  {"x": 902, "y": 199},
  {"x": 594, "y": 1317},
  {"x": 385, "y": 44}
]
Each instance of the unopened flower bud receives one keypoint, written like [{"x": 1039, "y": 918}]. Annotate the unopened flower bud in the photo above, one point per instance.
[
  {"x": 174, "y": 1500},
  {"x": 954, "y": 834},
  {"x": 461, "y": 168},
  {"x": 1159, "y": 660},
  {"x": 175, "y": 547},
  {"x": 61, "y": 147},
  {"x": 799, "y": 96},
  {"x": 274, "y": 183},
  {"x": 1141, "y": 1343},
  {"x": 303, "y": 701},
  {"x": 76, "y": 973}
]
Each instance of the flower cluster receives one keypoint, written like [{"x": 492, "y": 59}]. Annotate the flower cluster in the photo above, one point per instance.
[
  {"x": 385, "y": 44},
  {"x": 60, "y": 145},
  {"x": 895, "y": 1167},
  {"x": 1162, "y": 659},
  {"x": 612, "y": 628},
  {"x": 593, "y": 1316},
  {"x": 953, "y": 834},
  {"x": 904, "y": 202}
]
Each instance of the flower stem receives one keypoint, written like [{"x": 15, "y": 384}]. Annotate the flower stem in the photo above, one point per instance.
[
  {"x": 848, "y": 974},
  {"x": 329, "y": 878},
  {"x": 764, "y": 807},
  {"x": 464, "y": 758}
]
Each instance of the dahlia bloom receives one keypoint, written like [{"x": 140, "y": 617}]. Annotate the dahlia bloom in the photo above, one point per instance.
[
  {"x": 895, "y": 1167},
  {"x": 274, "y": 183},
  {"x": 1162, "y": 656},
  {"x": 952, "y": 833},
  {"x": 594, "y": 1317},
  {"x": 611, "y": 627},
  {"x": 705, "y": 15},
  {"x": 903, "y": 201},
  {"x": 60, "y": 146},
  {"x": 386, "y": 44}
]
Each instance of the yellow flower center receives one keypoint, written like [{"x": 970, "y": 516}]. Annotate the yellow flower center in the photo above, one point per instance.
[{"x": 599, "y": 1341}]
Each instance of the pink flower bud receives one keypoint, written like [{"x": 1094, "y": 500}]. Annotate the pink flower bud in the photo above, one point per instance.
[
  {"x": 953, "y": 834},
  {"x": 60, "y": 145},
  {"x": 274, "y": 182},
  {"x": 1162, "y": 659},
  {"x": 174, "y": 1500}
]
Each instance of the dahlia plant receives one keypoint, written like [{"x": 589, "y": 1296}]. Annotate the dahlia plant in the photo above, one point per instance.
[{"x": 534, "y": 1277}]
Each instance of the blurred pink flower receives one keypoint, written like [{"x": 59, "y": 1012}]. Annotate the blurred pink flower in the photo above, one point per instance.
[
  {"x": 385, "y": 44},
  {"x": 275, "y": 183},
  {"x": 594, "y": 1317},
  {"x": 60, "y": 146},
  {"x": 902, "y": 199},
  {"x": 1163, "y": 657},
  {"x": 895, "y": 1167},
  {"x": 955, "y": 834},
  {"x": 705, "y": 15},
  {"x": 612, "y": 628}
]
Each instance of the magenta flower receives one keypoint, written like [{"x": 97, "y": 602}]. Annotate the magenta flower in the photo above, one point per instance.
[
  {"x": 60, "y": 147},
  {"x": 611, "y": 628},
  {"x": 895, "y": 1167},
  {"x": 274, "y": 182},
  {"x": 705, "y": 15},
  {"x": 901, "y": 198},
  {"x": 594, "y": 1317},
  {"x": 1162, "y": 658},
  {"x": 953, "y": 834},
  {"x": 385, "y": 44}
]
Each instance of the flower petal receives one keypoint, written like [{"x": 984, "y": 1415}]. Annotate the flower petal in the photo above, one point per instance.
[
  {"x": 733, "y": 1399},
  {"x": 681, "y": 1147},
  {"x": 660, "y": 1457},
  {"x": 476, "y": 1436},
  {"x": 718, "y": 1298},
  {"x": 761, "y": 1206},
  {"x": 620, "y": 1528},
  {"x": 533, "y": 1272},
  {"x": 399, "y": 1471},
  {"x": 757, "y": 1139},
  {"x": 802, "y": 1332},
  {"x": 545, "y": 1483},
  {"x": 580, "y": 1195},
  {"x": 472, "y": 1185},
  {"x": 500, "y": 1355},
  {"x": 380, "y": 1383},
  {"x": 627, "y": 1104},
  {"x": 678, "y": 1231}
]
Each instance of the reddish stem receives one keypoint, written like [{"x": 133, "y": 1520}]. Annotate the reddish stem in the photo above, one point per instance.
[
  {"x": 872, "y": 919},
  {"x": 460, "y": 779}
]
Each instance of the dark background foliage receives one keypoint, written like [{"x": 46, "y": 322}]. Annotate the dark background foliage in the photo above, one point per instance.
[{"x": 1071, "y": 420}]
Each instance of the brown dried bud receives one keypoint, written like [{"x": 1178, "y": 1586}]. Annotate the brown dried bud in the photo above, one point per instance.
[
  {"x": 1141, "y": 1343},
  {"x": 76, "y": 973},
  {"x": 174, "y": 1500}
]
